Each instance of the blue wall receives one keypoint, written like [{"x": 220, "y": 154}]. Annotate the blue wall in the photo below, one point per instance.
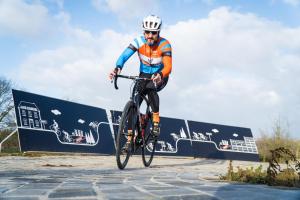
[{"x": 48, "y": 124}]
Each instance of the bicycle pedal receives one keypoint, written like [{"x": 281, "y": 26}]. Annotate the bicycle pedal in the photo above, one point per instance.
[{"x": 126, "y": 148}]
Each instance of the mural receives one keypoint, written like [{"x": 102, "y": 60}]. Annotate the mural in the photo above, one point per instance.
[
  {"x": 57, "y": 125},
  {"x": 30, "y": 118},
  {"x": 48, "y": 124}
]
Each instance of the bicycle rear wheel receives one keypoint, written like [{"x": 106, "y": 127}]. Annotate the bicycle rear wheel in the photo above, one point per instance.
[{"x": 122, "y": 154}]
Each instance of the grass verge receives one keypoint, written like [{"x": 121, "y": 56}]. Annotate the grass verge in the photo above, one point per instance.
[{"x": 275, "y": 175}]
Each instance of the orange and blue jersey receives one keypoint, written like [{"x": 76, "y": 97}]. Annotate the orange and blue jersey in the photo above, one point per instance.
[{"x": 156, "y": 58}]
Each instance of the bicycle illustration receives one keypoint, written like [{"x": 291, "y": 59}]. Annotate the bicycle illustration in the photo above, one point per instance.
[
  {"x": 139, "y": 120},
  {"x": 55, "y": 128}
]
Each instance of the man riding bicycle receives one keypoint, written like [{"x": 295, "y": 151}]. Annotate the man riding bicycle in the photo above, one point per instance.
[{"x": 155, "y": 54}]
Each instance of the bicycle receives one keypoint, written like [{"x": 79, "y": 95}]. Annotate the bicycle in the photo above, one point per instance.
[{"x": 141, "y": 126}]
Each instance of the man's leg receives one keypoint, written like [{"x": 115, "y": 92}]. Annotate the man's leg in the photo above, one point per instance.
[
  {"x": 139, "y": 87},
  {"x": 154, "y": 103},
  {"x": 126, "y": 146},
  {"x": 152, "y": 91}
]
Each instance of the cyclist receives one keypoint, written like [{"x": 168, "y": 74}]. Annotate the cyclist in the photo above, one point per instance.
[{"x": 155, "y": 54}]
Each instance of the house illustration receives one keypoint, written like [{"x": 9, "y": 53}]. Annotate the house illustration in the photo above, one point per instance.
[
  {"x": 30, "y": 116},
  {"x": 246, "y": 145}
]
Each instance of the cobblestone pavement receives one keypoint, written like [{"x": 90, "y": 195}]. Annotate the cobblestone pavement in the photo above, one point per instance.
[{"x": 97, "y": 177}]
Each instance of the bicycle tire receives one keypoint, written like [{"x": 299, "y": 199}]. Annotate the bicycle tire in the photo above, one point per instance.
[
  {"x": 121, "y": 137},
  {"x": 148, "y": 150},
  {"x": 149, "y": 142}
]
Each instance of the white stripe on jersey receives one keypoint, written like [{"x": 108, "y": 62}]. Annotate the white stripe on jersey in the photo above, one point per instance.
[
  {"x": 140, "y": 42},
  {"x": 137, "y": 42},
  {"x": 151, "y": 61}
]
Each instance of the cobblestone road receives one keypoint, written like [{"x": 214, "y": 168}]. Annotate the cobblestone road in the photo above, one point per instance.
[{"x": 97, "y": 177}]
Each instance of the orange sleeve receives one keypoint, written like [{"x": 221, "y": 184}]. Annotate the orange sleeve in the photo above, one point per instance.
[{"x": 167, "y": 61}]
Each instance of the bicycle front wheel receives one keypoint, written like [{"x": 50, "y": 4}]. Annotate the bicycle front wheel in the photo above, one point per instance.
[
  {"x": 149, "y": 143},
  {"x": 124, "y": 150}
]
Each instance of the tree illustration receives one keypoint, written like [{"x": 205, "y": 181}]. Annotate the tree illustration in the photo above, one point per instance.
[{"x": 209, "y": 134}]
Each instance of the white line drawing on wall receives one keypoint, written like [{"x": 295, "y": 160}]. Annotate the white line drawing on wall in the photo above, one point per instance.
[
  {"x": 209, "y": 135},
  {"x": 30, "y": 118},
  {"x": 199, "y": 136},
  {"x": 81, "y": 121},
  {"x": 242, "y": 146},
  {"x": 182, "y": 133},
  {"x": 55, "y": 128},
  {"x": 166, "y": 147},
  {"x": 215, "y": 130},
  {"x": 77, "y": 136},
  {"x": 56, "y": 112},
  {"x": 30, "y": 115},
  {"x": 224, "y": 144},
  {"x": 175, "y": 136}
]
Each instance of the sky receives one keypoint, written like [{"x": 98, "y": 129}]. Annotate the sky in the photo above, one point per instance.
[{"x": 235, "y": 62}]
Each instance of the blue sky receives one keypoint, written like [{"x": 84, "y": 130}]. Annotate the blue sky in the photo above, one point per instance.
[
  {"x": 236, "y": 62},
  {"x": 85, "y": 15}
]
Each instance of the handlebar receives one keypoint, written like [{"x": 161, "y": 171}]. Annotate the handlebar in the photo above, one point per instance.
[{"x": 135, "y": 78}]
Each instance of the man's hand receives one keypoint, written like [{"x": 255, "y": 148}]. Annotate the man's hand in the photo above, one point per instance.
[
  {"x": 156, "y": 78},
  {"x": 114, "y": 72}
]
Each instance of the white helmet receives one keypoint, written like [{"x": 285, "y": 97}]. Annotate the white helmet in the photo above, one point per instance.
[{"x": 152, "y": 23}]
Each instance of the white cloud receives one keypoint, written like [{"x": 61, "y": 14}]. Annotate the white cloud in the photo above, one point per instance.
[
  {"x": 29, "y": 19},
  {"x": 127, "y": 9},
  {"x": 234, "y": 68},
  {"x": 16, "y": 16},
  {"x": 229, "y": 68},
  {"x": 79, "y": 71}
]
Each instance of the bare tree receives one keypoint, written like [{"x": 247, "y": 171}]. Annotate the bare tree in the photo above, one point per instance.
[{"x": 6, "y": 103}]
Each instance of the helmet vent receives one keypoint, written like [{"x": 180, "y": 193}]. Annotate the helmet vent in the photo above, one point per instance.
[{"x": 151, "y": 23}]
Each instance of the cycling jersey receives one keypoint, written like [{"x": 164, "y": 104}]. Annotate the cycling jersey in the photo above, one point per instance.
[{"x": 153, "y": 59}]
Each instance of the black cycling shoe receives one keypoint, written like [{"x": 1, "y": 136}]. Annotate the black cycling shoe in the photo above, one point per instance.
[{"x": 156, "y": 129}]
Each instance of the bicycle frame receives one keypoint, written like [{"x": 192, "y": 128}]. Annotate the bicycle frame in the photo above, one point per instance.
[
  {"x": 134, "y": 97},
  {"x": 138, "y": 124}
]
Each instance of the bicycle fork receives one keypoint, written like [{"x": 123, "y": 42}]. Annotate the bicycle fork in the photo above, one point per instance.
[{"x": 140, "y": 131}]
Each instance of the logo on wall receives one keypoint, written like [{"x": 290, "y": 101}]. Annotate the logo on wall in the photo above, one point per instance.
[{"x": 86, "y": 133}]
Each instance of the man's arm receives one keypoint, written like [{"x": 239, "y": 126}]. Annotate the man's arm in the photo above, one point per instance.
[
  {"x": 166, "y": 59},
  {"x": 127, "y": 53}
]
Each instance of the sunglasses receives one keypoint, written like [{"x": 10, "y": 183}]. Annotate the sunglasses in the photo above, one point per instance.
[{"x": 153, "y": 32}]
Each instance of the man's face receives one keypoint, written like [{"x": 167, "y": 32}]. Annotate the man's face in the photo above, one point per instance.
[{"x": 151, "y": 36}]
